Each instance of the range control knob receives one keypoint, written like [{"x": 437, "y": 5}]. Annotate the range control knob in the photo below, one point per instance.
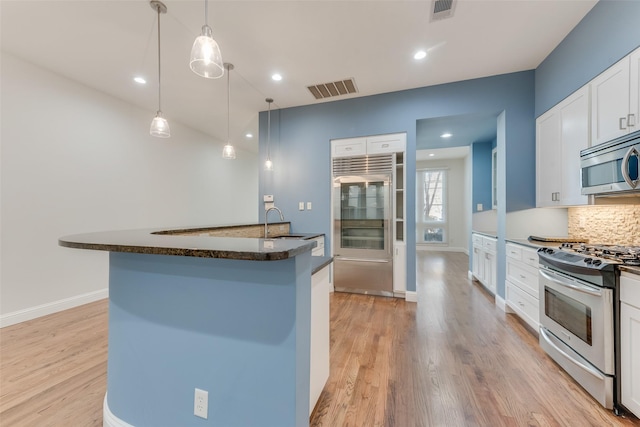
[
  {"x": 597, "y": 262},
  {"x": 549, "y": 250},
  {"x": 588, "y": 260}
]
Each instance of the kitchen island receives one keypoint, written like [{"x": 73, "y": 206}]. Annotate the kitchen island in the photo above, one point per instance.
[{"x": 226, "y": 315}]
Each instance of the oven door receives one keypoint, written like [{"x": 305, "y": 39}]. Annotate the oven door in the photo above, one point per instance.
[{"x": 580, "y": 315}]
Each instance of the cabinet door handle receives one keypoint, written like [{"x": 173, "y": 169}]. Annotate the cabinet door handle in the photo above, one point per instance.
[
  {"x": 347, "y": 148},
  {"x": 631, "y": 120},
  {"x": 385, "y": 145},
  {"x": 623, "y": 120}
]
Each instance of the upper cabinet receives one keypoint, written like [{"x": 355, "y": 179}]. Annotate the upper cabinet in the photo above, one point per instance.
[
  {"x": 560, "y": 135},
  {"x": 378, "y": 144},
  {"x": 615, "y": 100}
]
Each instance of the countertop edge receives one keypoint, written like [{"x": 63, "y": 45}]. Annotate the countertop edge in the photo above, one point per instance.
[{"x": 147, "y": 241}]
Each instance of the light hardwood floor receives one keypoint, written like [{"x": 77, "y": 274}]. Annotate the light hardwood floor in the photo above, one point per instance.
[{"x": 453, "y": 359}]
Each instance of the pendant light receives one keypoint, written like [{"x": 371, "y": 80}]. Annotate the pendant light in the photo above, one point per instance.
[
  {"x": 268, "y": 164},
  {"x": 228, "y": 152},
  {"x": 159, "y": 125},
  {"x": 206, "y": 60}
]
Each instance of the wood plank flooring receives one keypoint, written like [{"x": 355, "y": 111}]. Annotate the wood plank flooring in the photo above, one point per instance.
[{"x": 453, "y": 359}]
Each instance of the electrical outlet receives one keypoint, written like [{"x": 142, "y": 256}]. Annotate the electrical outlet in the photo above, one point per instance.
[
  {"x": 308, "y": 206},
  {"x": 479, "y": 207},
  {"x": 301, "y": 206},
  {"x": 201, "y": 403}
]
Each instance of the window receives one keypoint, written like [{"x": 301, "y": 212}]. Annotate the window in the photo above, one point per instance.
[{"x": 431, "y": 217}]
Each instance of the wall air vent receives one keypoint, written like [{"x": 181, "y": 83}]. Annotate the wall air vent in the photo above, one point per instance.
[
  {"x": 328, "y": 90},
  {"x": 442, "y": 9}
]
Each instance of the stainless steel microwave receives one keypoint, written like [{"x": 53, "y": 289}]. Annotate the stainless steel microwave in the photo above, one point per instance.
[{"x": 612, "y": 168}]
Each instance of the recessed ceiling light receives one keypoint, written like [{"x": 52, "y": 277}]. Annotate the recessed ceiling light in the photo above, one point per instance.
[
  {"x": 446, "y": 135},
  {"x": 139, "y": 80},
  {"x": 421, "y": 54},
  {"x": 277, "y": 77},
  {"x": 249, "y": 135},
  {"x": 431, "y": 154}
]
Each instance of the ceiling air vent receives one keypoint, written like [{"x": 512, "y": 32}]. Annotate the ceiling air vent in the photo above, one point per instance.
[
  {"x": 442, "y": 9},
  {"x": 328, "y": 90}
]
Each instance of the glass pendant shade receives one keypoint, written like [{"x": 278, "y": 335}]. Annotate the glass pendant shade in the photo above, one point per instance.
[
  {"x": 206, "y": 60},
  {"x": 160, "y": 126},
  {"x": 228, "y": 152},
  {"x": 268, "y": 165}
]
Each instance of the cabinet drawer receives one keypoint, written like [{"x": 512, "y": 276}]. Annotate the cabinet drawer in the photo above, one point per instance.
[
  {"x": 514, "y": 251},
  {"x": 348, "y": 147},
  {"x": 530, "y": 257},
  {"x": 489, "y": 244},
  {"x": 524, "y": 305},
  {"x": 524, "y": 276},
  {"x": 385, "y": 144},
  {"x": 630, "y": 289},
  {"x": 476, "y": 239}
]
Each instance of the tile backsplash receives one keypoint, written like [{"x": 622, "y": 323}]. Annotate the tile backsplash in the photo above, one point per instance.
[{"x": 612, "y": 225}]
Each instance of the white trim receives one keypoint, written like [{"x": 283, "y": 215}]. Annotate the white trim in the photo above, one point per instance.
[
  {"x": 52, "y": 307},
  {"x": 470, "y": 275},
  {"x": 501, "y": 303},
  {"x": 110, "y": 420},
  {"x": 411, "y": 296}
]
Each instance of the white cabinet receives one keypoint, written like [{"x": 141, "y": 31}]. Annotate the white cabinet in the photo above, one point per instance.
[
  {"x": 483, "y": 261},
  {"x": 560, "y": 135},
  {"x": 630, "y": 341},
  {"x": 522, "y": 294},
  {"x": 381, "y": 144},
  {"x": 399, "y": 267},
  {"x": 319, "y": 249},
  {"x": 378, "y": 144},
  {"x": 319, "y": 357},
  {"x": 615, "y": 100}
]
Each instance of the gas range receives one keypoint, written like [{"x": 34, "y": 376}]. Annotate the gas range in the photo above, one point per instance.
[
  {"x": 596, "y": 264},
  {"x": 627, "y": 255}
]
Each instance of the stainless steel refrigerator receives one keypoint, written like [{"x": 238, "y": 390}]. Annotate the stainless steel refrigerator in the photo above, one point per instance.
[{"x": 363, "y": 257}]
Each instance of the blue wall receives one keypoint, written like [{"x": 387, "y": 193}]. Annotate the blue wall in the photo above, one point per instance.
[
  {"x": 481, "y": 175},
  {"x": 606, "y": 34},
  {"x": 301, "y": 144}
]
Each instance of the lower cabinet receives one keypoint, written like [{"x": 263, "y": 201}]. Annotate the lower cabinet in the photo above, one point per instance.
[
  {"x": 319, "y": 249},
  {"x": 522, "y": 283},
  {"x": 630, "y": 341},
  {"x": 319, "y": 359},
  {"x": 484, "y": 260}
]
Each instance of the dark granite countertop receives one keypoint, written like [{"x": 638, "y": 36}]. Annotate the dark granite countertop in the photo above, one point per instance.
[
  {"x": 320, "y": 262},
  {"x": 493, "y": 234},
  {"x": 148, "y": 241},
  {"x": 534, "y": 243}
]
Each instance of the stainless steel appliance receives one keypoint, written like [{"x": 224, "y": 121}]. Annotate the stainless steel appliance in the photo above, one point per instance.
[
  {"x": 363, "y": 261},
  {"x": 579, "y": 313},
  {"x": 612, "y": 168}
]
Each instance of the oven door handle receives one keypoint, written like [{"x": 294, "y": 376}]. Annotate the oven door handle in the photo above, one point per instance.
[
  {"x": 589, "y": 369},
  {"x": 575, "y": 286}
]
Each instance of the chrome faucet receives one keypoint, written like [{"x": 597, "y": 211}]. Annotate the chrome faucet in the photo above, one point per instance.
[{"x": 266, "y": 224}]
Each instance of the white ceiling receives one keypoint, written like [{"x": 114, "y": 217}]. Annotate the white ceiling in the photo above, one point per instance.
[{"x": 104, "y": 44}]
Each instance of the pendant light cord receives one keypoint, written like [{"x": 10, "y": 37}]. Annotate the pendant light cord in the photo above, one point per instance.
[
  {"x": 159, "y": 75},
  {"x": 228, "y": 102},
  {"x": 206, "y": 13}
]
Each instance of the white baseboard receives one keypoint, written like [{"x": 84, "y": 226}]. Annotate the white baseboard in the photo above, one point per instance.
[
  {"x": 501, "y": 303},
  {"x": 411, "y": 296},
  {"x": 52, "y": 307},
  {"x": 110, "y": 420}
]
